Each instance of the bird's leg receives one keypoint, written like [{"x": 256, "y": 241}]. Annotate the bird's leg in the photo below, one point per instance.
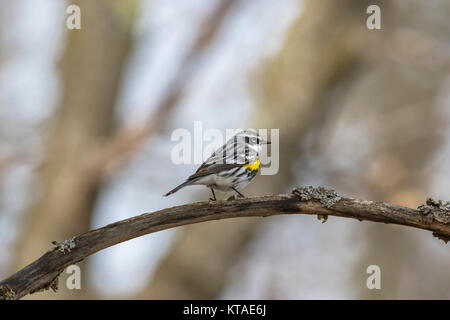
[
  {"x": 214, "y": 195},
  {"x": 240, "y": 194}
]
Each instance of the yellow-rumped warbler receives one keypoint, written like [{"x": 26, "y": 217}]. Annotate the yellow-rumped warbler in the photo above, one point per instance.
[{"x": 231, "y": 167}]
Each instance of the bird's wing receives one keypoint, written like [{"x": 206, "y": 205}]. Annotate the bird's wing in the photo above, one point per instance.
[
  {"x": 230, "y": 155},
  {"x": 207, "y": 169}
]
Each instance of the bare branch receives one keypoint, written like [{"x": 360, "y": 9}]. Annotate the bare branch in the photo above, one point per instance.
[{"x": 43, "y": 273}]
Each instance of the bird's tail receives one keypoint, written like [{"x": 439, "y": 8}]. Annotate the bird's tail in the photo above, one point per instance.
[{"x": 184, "y": 184}]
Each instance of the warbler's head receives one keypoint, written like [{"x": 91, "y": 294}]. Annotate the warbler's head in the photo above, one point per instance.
[{"x": 250, "y": 137}]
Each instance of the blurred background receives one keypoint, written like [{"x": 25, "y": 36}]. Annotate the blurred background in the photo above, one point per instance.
[{"x": 86, "y": 118}]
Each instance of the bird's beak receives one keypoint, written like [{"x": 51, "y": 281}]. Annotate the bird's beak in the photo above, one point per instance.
[{"x": 268, "y": 142}]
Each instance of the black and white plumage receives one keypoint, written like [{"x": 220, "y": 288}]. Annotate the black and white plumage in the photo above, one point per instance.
[{"x": 231, "y": 167}]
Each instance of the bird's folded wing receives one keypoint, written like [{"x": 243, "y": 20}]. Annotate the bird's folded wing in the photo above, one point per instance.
[{"x": 207, "y": 169}]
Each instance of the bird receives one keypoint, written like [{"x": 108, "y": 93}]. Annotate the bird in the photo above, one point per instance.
[{"x": 231, "y": 167}]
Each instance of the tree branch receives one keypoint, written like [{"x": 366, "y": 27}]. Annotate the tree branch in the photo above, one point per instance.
[{"x": 43, "y": 273}]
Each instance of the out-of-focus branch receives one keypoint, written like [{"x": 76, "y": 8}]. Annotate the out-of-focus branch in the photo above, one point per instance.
[
  {"x": 43, "y": 273},
  {"x": 129, "y": 139}
]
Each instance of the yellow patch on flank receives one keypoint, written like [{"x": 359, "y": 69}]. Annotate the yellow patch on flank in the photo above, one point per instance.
[{"x": 253, "y": 166}]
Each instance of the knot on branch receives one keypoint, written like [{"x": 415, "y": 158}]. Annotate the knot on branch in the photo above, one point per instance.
[
  {"x": 326, "y": 197},
  {"x": 322, "y": 217},
  {"x": 441, "y": 236},
  {"x": 437, "y": 210},
  {"x": 6, "y": 293},
  {"x": 66, "y": 245}
]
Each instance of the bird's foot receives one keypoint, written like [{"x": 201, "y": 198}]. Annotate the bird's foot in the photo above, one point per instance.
[{"x": 240, "y": 195}]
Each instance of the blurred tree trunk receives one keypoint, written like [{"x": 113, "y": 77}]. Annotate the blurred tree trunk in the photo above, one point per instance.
[
  {"x": 91, "y": 67},
  {"x": 405, "y": 95},
  {"x": 319, "y": 48},
  {"x": 331, "y": 48},
  {"x": 298, "y": 87},
  {"x": 394, "y": 175}
]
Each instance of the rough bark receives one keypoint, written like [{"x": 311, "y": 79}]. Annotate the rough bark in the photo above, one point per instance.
[{"x": 43, "y": 273}]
